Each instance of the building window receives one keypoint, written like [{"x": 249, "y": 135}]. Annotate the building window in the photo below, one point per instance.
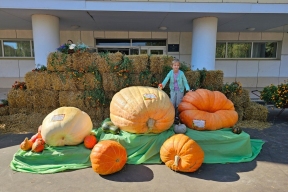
[
  {"x": 1, "y": 54},
  {"x": 17, "y": 48},
  {"x": 132, "y": 46},
  {"x": 236, "y": 50}
]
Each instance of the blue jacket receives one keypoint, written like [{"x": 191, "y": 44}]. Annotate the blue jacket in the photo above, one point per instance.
[{"x": 181, "y": 79}]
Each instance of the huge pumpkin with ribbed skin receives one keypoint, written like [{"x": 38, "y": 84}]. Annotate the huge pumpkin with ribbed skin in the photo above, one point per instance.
[
  {"x": 139, "y": 109},
  {"x": 108, "y": 157},
  {"x": 207, "y": 110},
  {"x": 66, "y": 126},
  {"x": 180, "y": 153}
]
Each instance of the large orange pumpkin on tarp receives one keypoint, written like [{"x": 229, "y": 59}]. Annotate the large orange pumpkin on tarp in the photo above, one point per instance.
[
  {"x": 207, "y": 110},
  {"x": 139, "y": 109},
  {"x": 108, "y": 157},
  {"x": 180, "y": 153}
]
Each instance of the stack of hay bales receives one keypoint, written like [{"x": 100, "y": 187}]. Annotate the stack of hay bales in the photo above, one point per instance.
[
  {"x": 246, "y": 109},
  {"x": 88, "y": 81}
]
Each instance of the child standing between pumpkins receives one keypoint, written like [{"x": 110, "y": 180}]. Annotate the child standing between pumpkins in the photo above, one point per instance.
[{"x": 178, "y": 83}]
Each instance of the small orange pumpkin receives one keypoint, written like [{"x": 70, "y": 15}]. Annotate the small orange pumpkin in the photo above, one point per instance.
[
  {"x": 90, "y": 141},
  {"x": 207, "y": 110},
  {"x": 108, "y": 157},
  {"x": 26, "y": 145},
  {"x": 38, "y": 145},
  {"x": 180, "y": 153}
]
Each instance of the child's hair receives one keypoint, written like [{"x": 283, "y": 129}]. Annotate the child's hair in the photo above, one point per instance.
[{"x": 176, "y": 61}]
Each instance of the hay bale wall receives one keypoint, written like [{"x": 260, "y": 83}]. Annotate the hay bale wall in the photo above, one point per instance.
[{"x": 89, "y": 81}]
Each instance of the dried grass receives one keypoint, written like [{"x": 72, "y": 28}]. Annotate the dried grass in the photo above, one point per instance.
[
  {"x": 59, "y": 61},
  {"x": 71, "y": 99},
  {"x": 45, "y": 99},
  {"x": 253, "y": 124},
  {"x": 38, "y": 80},
  {"x": 83, "y": 61},
  {"x": 139, "y": 63},
  {"x": 193, "y": 78},
  {"x": 4, "y": 110},
  {"x": 63, "y": 81},
  {"x": 21, "y": 123},
  {"x": 240, "y": 100},
  {"x": 255, "y": 111},
  {"x": 158, "y": 62},
  {"x": 213, "y": 80},
  {"x": 20, "y": 98},
  {"x": 112, "y": 82}
]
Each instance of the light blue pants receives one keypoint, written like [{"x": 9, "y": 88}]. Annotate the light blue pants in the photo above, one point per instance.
[{"x": 176, "y": 98}]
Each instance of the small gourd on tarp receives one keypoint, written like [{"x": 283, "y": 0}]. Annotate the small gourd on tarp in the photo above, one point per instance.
[
  {"x": 108, "y": 157},
  {"x": 236, "y": 130},
  {"x": 181, "y": 153},
  {"x": 66, "y": 126}
]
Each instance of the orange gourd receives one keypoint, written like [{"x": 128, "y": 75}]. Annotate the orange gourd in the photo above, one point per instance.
[
  {"x": 26, "y": 145},
  {"x": 108, "y": 157},
  {"x": 140, "y": 109},
  {"x": 38, "y": 145},
  {"x": 90, "y": 141},
  {"x": 207, "y": 110},
  {"x": 180, "y": 153}
]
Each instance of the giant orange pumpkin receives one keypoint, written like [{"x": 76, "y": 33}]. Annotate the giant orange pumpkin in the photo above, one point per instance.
[
  {"x": 139, "y": 109},
  {"x": 207, "y": 110},
  {"x": 180, "y": 153},
  {"x": 108, "y": 157}
]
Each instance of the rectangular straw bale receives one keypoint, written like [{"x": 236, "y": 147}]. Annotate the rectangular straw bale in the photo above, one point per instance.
[
  {"x": 115, "y": 58},
  {"x": 193, "y": 78},
  {"x": 20, "y": 98},
  {"x": 158, "y": 62},
  {"x": 44, "y": 111},
  {"x": 213, "y": 80},
  {"x": 37, "y": 80},
  {"x": 139, "y": 63},
  {"x": 240, "y": 111},
  {"x": 102, "y": 63},
  {"x": 109, "y": 95},
  {"x": 71, "y": 99},
  {"x": 59, "y": 61},
  {"x": 16, "y": 110},
  {"x": 4, "y": 110},
  {"x": 255, "y": 111},
  {"x": 140, "y": 80},
  {"x": 106, "y": 113},
  {"x": 92, "y": 81},
  {"x": 63, "y": 81},
  {"x": 240, "y": 100},
  {"x": 95, "y": 98},
  {"x": 45, "y": 99},
  {"x": 83, "y": 61},
  {"x": 112, "y": 82}
]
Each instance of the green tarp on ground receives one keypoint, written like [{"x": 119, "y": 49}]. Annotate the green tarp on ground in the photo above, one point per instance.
[{"x": 221, "y": 146}]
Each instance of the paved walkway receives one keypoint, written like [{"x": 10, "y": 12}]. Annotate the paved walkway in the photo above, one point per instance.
[{"x": 268, "y": 172}]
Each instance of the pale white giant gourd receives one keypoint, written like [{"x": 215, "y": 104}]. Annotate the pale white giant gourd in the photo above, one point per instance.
[{"x": 66, "y": 126}]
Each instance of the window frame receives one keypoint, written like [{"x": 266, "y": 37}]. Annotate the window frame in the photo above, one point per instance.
[
  {"x": 2, "y": 56},
  {"x": 252, "y": 46}
]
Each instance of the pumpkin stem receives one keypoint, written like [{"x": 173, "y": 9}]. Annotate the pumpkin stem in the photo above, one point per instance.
[
  {"x": 150, "y": 124},
  {"x": 176, "y": 161}
]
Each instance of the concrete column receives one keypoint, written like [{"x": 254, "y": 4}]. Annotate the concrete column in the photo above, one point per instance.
[
  {"x": 204, "y": 36},
  {"x": 46, "y": 37}
]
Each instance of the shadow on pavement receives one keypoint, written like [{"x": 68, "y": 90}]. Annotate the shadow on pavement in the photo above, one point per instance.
[{"x": 132, "y": 173}]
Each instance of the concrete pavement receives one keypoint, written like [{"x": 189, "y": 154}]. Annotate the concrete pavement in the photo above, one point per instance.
[{"x": 268, "y": 172}]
